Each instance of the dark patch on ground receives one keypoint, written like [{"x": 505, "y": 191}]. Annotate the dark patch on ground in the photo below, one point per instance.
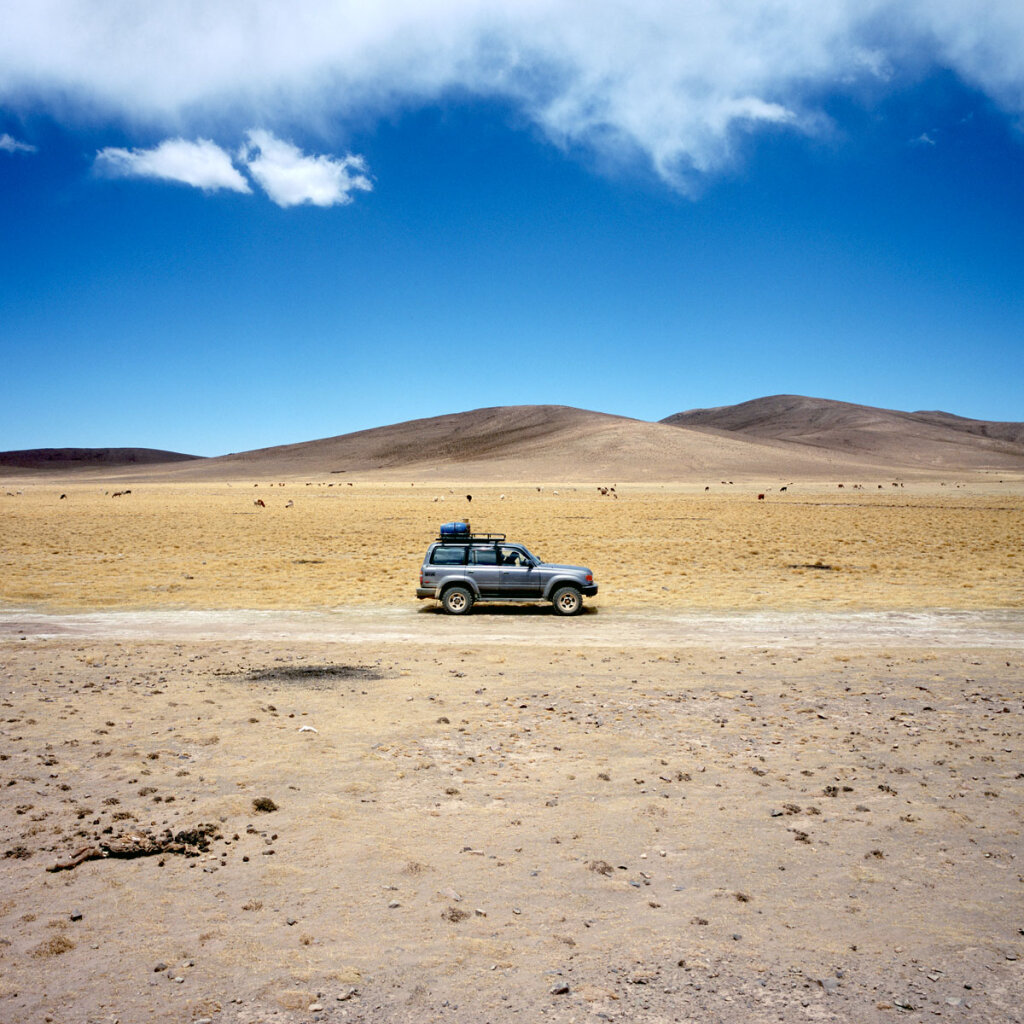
[{"x": 311, "y": 674}]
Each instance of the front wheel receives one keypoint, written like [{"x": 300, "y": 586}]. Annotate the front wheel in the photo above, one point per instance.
[
  {"x": 457, "y": 601},
  {"x": 567, "y": 601}
]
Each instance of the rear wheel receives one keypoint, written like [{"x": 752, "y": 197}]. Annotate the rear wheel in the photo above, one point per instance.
[
  {"x": 457, "y": 601},
  {"x": 567, "y": 601}
]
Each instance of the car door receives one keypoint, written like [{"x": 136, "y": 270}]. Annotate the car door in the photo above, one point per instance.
[
  {"x": 485, "y": 571},
  {"x": 519, "y": 578}
]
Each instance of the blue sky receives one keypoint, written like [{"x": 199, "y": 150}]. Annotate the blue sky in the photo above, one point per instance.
[{"x": 220, "y": 232}]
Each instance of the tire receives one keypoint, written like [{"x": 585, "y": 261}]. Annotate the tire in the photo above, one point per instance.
[
  {"x": 457, "y": 601},
  {"x": 567, "y": 601}
]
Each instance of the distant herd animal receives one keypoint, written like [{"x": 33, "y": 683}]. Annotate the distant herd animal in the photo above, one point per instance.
[{"x": 604, "y": 491}]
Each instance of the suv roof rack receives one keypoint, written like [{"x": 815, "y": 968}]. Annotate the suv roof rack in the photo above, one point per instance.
[{"x": 472, "y": 538}]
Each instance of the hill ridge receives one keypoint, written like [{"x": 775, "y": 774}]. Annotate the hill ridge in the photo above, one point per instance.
[{"x": 773, "y": 437}]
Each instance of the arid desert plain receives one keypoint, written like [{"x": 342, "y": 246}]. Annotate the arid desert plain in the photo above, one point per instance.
[{"x": 772, "y": 773}]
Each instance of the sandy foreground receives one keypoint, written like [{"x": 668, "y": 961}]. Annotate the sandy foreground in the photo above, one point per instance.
[{"x": 696, "y": 803}]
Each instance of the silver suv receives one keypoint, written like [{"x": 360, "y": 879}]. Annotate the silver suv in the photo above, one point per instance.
[{"x": 458, "y": 572}]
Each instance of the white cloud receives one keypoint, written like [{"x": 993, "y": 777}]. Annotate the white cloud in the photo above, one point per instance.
[
  {"x": 676, "y": 82},
  {"x": 290, "y": 178},
  {"x": 201, "y": 163},
  {"x": 9, "y": 144}
]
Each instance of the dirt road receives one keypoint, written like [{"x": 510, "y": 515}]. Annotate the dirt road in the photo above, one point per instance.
[{"x": 497, "y": 625}]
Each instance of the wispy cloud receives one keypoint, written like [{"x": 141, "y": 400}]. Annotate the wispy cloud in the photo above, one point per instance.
[
  {"x": 201, "y": 163},
  {"x": 291, "y": 178},
  {"x": 9, "y": 144},
  {"x": 678, "y": 84}
]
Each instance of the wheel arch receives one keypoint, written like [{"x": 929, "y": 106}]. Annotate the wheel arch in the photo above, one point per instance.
[
  {"x": 561, "y": 581},
  {"x": 458, "y": 581}
]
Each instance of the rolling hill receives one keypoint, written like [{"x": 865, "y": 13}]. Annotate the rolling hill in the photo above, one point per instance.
[
  {"x": 764, "y": 440},
  {"x": 71, "y": 459},
  {"x": 907, "y": 440}
]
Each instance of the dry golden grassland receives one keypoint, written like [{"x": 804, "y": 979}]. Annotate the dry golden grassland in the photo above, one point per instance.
[{"x": 210, "y": 546}]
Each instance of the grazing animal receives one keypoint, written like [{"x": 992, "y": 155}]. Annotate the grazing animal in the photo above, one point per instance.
[
  {"x": 783, "y": 488},
  {"x": 291, "y": 504},
  {"x": 469, "y": 497},
  {"x": 840, "y": 487},
  {"x": 760, "y": 497},
  {"x": 260, "y": 503},
  {"x": 63, "y": 496},
  {"x": 707, "y": 488},
  {"x": 502, "y": 498}
]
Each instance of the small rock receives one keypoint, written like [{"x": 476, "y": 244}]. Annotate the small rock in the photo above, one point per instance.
[
  {"x": 561, "y": 989},
  {"x": 160, "y": 967},
  {"x": 315, "y": 1008},
  {"x": 76, "y": 915},
  {"x": 290, "y": 921}
]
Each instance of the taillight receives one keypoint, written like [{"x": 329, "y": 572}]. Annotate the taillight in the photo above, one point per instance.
[{"x": 590, "y": 578}]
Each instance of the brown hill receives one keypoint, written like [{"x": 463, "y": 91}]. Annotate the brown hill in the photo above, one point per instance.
[
  {"x": 540, "y": 443},
  {"x": 908, "y": 440},
  {"x": 69, "y": 459},
  {"x": 771, "y": 439}
]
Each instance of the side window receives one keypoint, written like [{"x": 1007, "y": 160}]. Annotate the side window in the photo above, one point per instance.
[
  {"x": 484, "y": 556},
  {"x": 448, "y": 554},
  {"x": 512, "y": 556}
]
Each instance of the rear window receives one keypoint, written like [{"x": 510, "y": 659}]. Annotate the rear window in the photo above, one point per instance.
[
  {"x": 484, "y": 556},
  {"x": 448, "y": 554}
]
